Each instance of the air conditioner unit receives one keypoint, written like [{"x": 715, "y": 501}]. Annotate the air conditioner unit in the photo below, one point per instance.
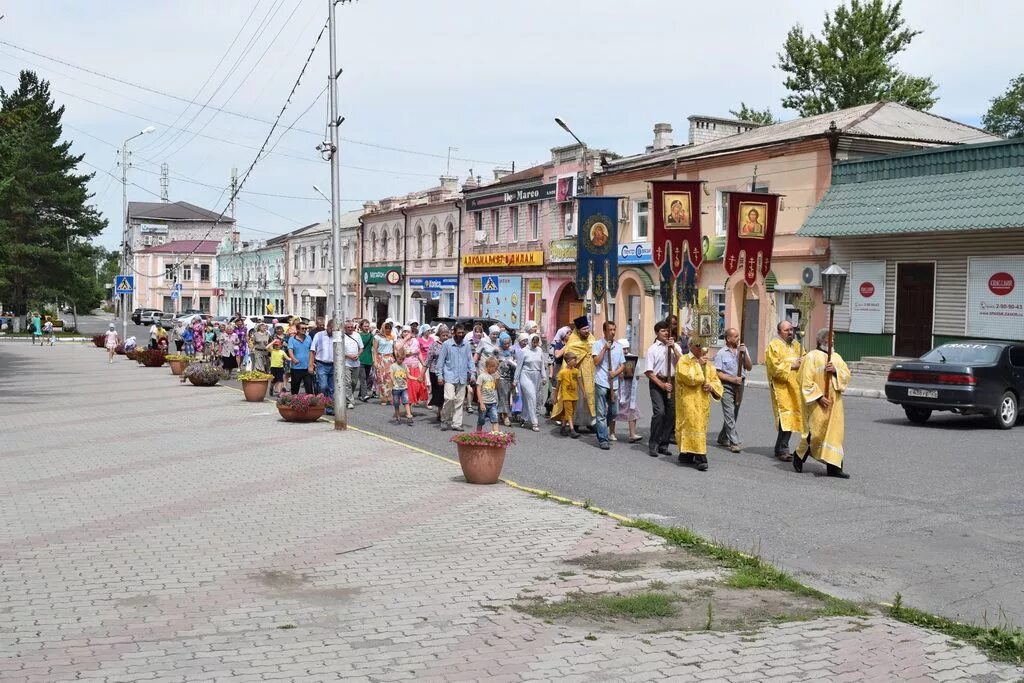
[
  {"x": 811, "y": 276},
  {"x": 480, "y": 236},
  {"x": 570, "y": 225}
]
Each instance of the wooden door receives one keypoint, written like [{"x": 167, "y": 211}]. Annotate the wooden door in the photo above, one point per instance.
[
  {"x": 915, "y": 304},
  {"x": 751, "y": 311}
]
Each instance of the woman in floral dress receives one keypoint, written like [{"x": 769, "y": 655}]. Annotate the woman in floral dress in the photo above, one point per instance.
[{"x": 383, "y": 359}]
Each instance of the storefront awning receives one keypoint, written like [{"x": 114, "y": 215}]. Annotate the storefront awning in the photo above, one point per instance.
[
  {"x": 376, "y": 293},
  {"x": 314, "y": 293},
  {"x": 423, "y": 294}
]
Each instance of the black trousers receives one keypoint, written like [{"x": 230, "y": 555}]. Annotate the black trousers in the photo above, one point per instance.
[
  {"x": 301, "y": 376},
  {"x": 782, "y": 441},
  {"x": 663, "y": 417}
]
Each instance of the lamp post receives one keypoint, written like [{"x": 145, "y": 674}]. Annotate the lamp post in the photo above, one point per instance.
[
  {"x": 124, "y": 231},
  {"x": 833, "y": 288},
  {"x": 588, "y": 303},
  {"x": 340, "y": 399}
]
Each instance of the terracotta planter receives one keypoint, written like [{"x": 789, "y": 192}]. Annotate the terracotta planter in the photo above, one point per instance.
[
  {"x": 311, "y": 415},
  {"x": 202, "y": 384},
  {"x": 177, "y": 366},
  {"x": 481, "y": 464},
  {"x": 255, "y": 390}
]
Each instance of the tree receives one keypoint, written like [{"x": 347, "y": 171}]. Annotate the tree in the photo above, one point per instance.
[
  {"x": 45, "y": 222},
  {"x": 1006, "y": 115},
  {"x": 746, "y": 113},
  {"x": 852, "y": 64}
]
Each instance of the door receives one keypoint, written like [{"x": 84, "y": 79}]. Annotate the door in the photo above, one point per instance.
[
  {"x": 430, "y": 309},
  {"x": 381, "y": 311},
  {"x": 569, "y": 307},
  {"x": 632, "y": 320},
  {"x": 915, "y": 303},
  {"x": 751, "y": 310}
]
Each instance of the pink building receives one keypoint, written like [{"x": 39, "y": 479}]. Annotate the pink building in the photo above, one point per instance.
[{"x": 196, "y": 261}]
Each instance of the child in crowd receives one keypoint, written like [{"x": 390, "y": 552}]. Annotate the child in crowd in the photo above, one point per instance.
[
  {"x": 186, "y": 336},
  {"x": 487, "y": 395},
  {"x": 277, "y": 356},
  {"x": 400, "y": 386},
  {"x": 568, "y": 392}
]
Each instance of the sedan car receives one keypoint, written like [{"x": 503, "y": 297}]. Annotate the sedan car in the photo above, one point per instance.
[{"x": 970, "y": 378}]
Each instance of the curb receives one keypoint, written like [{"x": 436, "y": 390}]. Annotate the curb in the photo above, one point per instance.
[
  {"x": 852, "y": 391},
  {"x": 5, "y": 338}
]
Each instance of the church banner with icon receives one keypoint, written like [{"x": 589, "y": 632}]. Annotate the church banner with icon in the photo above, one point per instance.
[
  {"x": 597, "y": 246},
  {"x": 676, "y": 213},
  {"x": 750, "y": 232}
]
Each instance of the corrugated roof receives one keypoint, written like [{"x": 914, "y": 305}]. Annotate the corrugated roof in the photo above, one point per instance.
[
  {"x": 885, "y": 120},
  {"x": 970, "y": 187},
  {"x": 173, "y": 211},
  {"x": 182, "y": 247}
]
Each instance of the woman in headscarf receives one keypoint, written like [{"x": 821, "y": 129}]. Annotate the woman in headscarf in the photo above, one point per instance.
[
  {"x": 417, "y": 381},
  {"x": 383, "y": 359},
  {"x": 506, "y": 378},
  {"x": 198, "y": 335},
  {"x": 475, "y": 340},
  {"x": 228, "y": 343},
  {"x": 628, "y": 411},
  {"x": 436, "y": 388},
  {"x": 581, "y": 344},
  {"x": 426, "y": 340},
  {"x": 530, "y": 374},
  {"x": 260, "y": 345},
  {"x": 242, "y": 335}
]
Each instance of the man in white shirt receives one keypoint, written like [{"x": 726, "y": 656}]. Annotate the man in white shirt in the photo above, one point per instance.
[
  {"x": 661, "y": 361},
  {"x": 321, "y": 361},
  {"x": 609, "y": 362},
  {"x": 354, "y": 378}
]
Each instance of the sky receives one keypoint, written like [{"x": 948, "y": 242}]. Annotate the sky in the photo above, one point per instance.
[{"x": 423, "y": 76}]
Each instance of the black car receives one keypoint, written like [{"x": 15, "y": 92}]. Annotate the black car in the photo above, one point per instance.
[
  {"x": 969, "y": 377},
  {"x": 468, "y": 322}
]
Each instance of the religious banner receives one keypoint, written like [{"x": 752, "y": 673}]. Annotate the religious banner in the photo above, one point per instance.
[
  {"x": 685, "y": 285},
  {"x": 750, "y": 232},
  {"x": 597, "y": 246},
  {"x": 676, "y": 213}
]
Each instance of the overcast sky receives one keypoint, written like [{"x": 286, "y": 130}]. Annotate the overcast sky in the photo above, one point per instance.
[{"x": 486, "y": 77}]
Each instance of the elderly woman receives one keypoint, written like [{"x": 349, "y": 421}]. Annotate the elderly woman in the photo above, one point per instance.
[
  {"x": 260, "y": 348},
  {"x": 383, "y": 359},
  {"x": 436, "y": 388},
  {"x": 530, "y": 373},
  {"x": 506, "y": 379},
  {"x": 628, "y": 411},
  {"x": 242, "y": 348}
]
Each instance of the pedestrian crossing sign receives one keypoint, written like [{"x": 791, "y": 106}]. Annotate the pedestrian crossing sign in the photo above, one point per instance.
[
  {"x": 124, "y": 284},
  {"x": 489, "y": 284}
]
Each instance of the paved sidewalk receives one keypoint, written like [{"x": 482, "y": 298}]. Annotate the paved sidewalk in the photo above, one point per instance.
[
  {"x": 157, "y": 531},
  {"x": 865, "y": 386}
]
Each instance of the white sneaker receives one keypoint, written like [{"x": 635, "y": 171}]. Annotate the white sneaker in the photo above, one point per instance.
[{"x": 612, "y": 437}]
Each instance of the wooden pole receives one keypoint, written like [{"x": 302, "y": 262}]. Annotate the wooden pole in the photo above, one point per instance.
[{"x": 743, "y": 313}]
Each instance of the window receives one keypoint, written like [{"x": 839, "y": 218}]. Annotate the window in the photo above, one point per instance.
[
  {"x": 204, "y": 273},
  {"x": 534, "y": 222},
  {"x": 186, "y": 273},
  {"x": 641, "y": 220},
  {"x": 398, "y": 244},
  {"x": 718, "y": 304},
  {"x": 148, "y": 240},
  {"x": 419, "y": 241},
  {"x": 789, "y": 306},
  {"x": 204, "y": 304},
  {"x": 373, "y": 246},
  {"x": 513, "y": 214},
  {"x": 478, "y": 219},
  {"x": 496, "y": 223},
  {"x": 169, "y": 272},
  {"x": 760, "y": 187},
  {"x": 451, "y": 240},
  {"x": 384, "y": 246},
  {"x": 433, "y": 241},
  {"x": 1017, "y": 356},
  {"x": 323, "y": 256},
  {"x": 311, "y": 262},
  {"x": 296, "y": 265},
  {"x": 721, "y": 211}
]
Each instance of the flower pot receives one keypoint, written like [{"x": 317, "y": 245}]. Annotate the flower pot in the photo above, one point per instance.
[
  {"x": 312, "y": 415},
  {"x": 481, "y": 464},
  {"x": 130, "y": 355},
  {"x": 255, "y": 390},
  {"x": 177, "y": 366},
  {"x": 202, "y": 383},
  {"x": 99, "y": 341},
  {"x": 153, "y": 362}
]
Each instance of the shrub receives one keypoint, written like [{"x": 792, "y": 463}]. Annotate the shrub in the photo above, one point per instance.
[
  {"x": 151, "y": 358},
  {"x": 300, "y": 403},
  {"x": 488, "y": 439},
  {"x": 254, "y": 376},
  {"x": 205, "y": 374}
]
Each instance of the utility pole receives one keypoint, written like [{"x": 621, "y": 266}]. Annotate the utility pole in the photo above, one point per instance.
[
  {"x": 340, "y": 366},
  {"x": 234, "y": 189},
  {"x": 165, "y": 182}
]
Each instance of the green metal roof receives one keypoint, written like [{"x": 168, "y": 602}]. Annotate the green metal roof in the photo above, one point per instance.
[{"x": 952, "y": 189}]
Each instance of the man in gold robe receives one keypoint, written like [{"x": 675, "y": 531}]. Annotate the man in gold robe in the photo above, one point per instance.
[
  {"x": 581, "y": 344},
  {"x": 697, "y": 384},
  {"x": 782, "y": 360},
  {"x": 824, "y": 422}
]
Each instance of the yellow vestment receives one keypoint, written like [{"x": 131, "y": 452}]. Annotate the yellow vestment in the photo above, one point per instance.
[
  {"x": 826, "y": 425},
  {"x": 693, "y": 404},
  {"x": 784, "y": 384},
  {"x": 583, "y": 349}
]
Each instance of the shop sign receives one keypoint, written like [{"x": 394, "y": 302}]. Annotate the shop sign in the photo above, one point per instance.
[
  {"x": 995, "y": 297},
  {"x": 635, "y": 252},
  {"x": 867, "y": 297},
  {"x": 562, "y": 251},
  {"x": 152, "y": 229},
  {"x": 536, "y": 193},
  {"x": 433, "y": 282},
  {"x": 504, "y": 259},
  {"x": 500, "y": 297},
  {"x": 375, "y": 275}
]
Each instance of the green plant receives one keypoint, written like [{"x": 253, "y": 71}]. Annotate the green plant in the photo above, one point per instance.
[
  {"x": 1004, "y": 641},
  {"x": 486, "y": 439},
  {"x": 711, "y": 613},
  {"x": 179, "y": 356},
  {"x": 637, "y": 606},
  {"x": 254, "y": 376},
  {"x": 301, "y": 403}
]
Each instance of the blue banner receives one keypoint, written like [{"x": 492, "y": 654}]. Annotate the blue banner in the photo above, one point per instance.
[
  {"x": 597, "y": 242},
  {"x": 686, "y": 283}
]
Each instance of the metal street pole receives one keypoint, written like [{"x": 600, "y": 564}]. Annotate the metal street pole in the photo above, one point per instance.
[
  {"x": 340, "y": 398},
  {"x": 588, "y": 301},
  {"x": 124, "y": 231}
]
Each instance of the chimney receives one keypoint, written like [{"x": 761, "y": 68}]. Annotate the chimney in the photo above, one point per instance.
[
  {"x": 662, "y": 136},
  {"x": 471, "y": 183},
  {"x": 500, "y": 173},
  {"x": 449, "y": 183},
  {"x": 236, "y": 237},
  {"x": 369, "y": 207}
]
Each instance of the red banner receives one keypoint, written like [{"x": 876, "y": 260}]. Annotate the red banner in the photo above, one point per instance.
[
  {"x": 750, "y": 232},
  {"x": 676, "y": 214}
]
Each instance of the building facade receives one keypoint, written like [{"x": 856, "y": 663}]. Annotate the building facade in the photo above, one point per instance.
[
  {"x": 195, "y": 263},
  {"x": 309, "y": 268},
  {"x": 250, "y": 276}
]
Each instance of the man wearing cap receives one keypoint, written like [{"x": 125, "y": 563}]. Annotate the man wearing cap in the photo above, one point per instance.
[
  {"x": 581, "y": 344},
  {"x": 609, "y": 361}
]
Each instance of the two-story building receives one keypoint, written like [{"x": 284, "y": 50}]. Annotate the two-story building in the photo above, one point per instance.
[
  {"x": 251, "y": 276},
  {"x": 309, "y": 267},
  {"x": 195, "y": 263}
]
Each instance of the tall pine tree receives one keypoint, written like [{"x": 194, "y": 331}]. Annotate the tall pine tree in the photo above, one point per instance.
[{"x": 43, "y": 201}]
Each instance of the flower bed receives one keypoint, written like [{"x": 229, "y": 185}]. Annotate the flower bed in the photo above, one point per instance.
[
  {"x": 254, "y": 385},
  {"x": 202, "y": 374},
  {"x": 178, "y": 362},
  {"x": 151, "y": 358},
  {"x": 99, "y": 340}
]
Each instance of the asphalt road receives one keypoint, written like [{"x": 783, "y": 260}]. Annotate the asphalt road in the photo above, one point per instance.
[{"x": 935, "y": 512}]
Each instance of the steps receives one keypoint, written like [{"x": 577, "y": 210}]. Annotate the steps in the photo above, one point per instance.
[{"x": 875, "y": 366}]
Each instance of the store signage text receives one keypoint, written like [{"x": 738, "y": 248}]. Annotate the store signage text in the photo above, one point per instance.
[
  {"x": 867, "y": 299},
  {"x": 1001, "y": 284},
  {"x": 635, "y": 252},
  {"x": 434, "y": 282},
  {"x": 530, "y": 194},
  {"x": 375, "y": 275},
  {"x": 562, "y": 251},
  {"x": 867, "y": 290},
  {"x": 509, "y": 259}
]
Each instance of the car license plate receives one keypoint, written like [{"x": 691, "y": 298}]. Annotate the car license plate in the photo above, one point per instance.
[{"x": 923, "y": 393}]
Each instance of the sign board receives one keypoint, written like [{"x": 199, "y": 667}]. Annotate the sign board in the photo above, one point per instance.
[
  {"x": 995, "y": 297},
  {"x": 867, "y": 297},
  {"x": 562, "y": 251},
  {"x": 124, "y": 284},
  {"x": 536, "y": 193},
  {"x": 500, "y": 297},
  {"x": 635, "y": 252},
  {"x": 434, "y": 282},
  {"x": 176, "y": 294},
  {"x": 504, "y": 259},
  {"x": 152, "y": 229},
  {"x": 177, "y": 287},
  {"x": 375, "y": 275}
]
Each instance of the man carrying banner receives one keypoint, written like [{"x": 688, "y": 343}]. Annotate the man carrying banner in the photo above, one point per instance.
[
  {"x": 822, "y": 383},
  {"x": 697, "y": 384},
  {"x": 782, "y": 361},
  {"x": 661, "y": 360},
  {"x": 581, "y": 343},
  {"x": 731, "y": 361}
]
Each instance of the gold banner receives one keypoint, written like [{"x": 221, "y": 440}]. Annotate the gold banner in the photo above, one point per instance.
[{"x": 511, "y": 259}]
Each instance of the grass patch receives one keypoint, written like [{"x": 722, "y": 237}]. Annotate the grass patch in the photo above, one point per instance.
[
  {"x": 657, "y": 585},
  {"x": 1004, "y": 642},
  {"x": 566, "y": 574},
  {"x": 638, "y": 606}
]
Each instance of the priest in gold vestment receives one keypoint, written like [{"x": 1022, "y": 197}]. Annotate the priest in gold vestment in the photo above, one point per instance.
[
  {"x": 697, "y": 384},
  {"x": 824, "y": 425},
  {"x": 782, "y": 361}
]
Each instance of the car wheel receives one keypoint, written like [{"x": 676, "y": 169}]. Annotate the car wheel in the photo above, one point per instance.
[
  {"x": 917, "y": 415},
  {"x": 1006, "y": 412}
]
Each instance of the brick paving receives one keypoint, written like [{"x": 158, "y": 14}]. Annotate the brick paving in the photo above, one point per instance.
[{"x": 162, "y": 532}]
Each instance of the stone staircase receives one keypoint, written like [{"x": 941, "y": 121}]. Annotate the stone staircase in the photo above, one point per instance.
[{"x": 874, "y": 366}]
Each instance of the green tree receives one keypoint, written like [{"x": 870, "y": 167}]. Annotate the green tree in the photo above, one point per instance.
[
  {"x": 1006, "y": 115},
  {"x": 754, "y": 115},
  {"x": 45, "y": 221},
  {"x": 852, "y": 63}
]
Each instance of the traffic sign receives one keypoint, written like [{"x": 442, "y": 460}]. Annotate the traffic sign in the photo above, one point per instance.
[
  {"x": 489, "y": 284},
  {"x": 177, "y": 286},
  {"x": 124, "y": 284},
  {"x": 175, "y": 294}
]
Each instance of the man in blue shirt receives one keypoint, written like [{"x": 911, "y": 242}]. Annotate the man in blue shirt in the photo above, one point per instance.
[
  {"x": 298, "y": 354},
  {"x": 455, "y": 369},
  {"x": 609, "y": 362},
  {"x": 727, "y": 362}
]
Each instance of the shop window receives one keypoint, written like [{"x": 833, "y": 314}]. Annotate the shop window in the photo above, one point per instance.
[{"x": 717, "y": 298}]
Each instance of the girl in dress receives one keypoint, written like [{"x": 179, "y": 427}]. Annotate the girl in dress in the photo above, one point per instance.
[
  {"x": 628, "y": 411},
  {"x": 417, "y": 381}
]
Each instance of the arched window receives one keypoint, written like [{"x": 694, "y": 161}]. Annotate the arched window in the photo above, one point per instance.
[
  {"x": 451, "y": 240},
  {"x": 398, "y": 243},
  {"x": 312, "y": 258},
  {"x": 384, "y": 246},
  {"x": 419, "y": 241},
  {"x": 296, "y": 256},
  {"x": 373, "y": 245},
  {"x": 324, "y": 251},
  {"x": 433, "y": 241}
]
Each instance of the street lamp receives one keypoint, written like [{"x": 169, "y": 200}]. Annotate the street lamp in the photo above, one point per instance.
[
  {"x": 833, "y": 288},
  {"x": 124, "y": 216},
  {"x": 320, "y": 192}
]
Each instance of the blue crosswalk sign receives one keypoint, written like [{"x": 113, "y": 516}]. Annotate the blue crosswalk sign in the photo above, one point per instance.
[
  {"x": 489, "y": 284},
  {"x": 177, "y": 286},
  {"x": 124, "y": 284}
]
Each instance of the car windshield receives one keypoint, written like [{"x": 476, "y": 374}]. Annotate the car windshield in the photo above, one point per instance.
[{"x": 965, "y": 354}]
